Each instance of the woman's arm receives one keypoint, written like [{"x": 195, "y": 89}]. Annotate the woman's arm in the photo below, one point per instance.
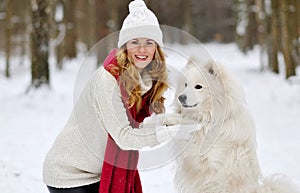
[{"x": 112, "y": 113}]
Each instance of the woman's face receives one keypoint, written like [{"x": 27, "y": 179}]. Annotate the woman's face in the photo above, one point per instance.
[{"x": 141, "y": 51}]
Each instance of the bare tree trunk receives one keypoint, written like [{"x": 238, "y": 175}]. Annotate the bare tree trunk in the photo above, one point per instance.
[
  {"x": 298, "y": 29},
  {"x": 102, "y": 18},
  {"x": 113, "y": 22},
  {"x": 81, "y": 19},
  {"x": 60, "y": 34},
  {"x": 39, "y": 43},
  {"x": 187, "y": 18},
  {"x": 294, "y": 28},
  {"x": 101, "y": 28},
  {"x": 22, "y": 28},
  {"x": 240, "y": 19},
  {"x": 261, "y": 30},
  {"x": 274, "y": 46},
  {"x": 250, "y": 39},
  {"x": 70, "y": 38},
  {"x": 123, "y": 10},
  {"x": 114, "y": 15},
  {"x": 286, "y": 49},
  {"x": 8, "y": 33},
  {"x": 92, "y": 23},
  {"x": 53, "y": 32},
  {"x": 246, "y": 26}
]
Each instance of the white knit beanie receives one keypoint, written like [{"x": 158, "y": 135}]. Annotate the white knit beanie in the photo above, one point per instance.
[{"x": 140, "y": 23}]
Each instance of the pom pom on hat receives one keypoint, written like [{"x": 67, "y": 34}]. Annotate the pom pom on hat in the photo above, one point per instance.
[
  {"x": 141, "y": 22},
  {"x": 135, "y": 4}
]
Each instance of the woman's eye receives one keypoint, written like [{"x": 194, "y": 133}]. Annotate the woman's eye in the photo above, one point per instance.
[
  {"x": 149, "y": 43},
  {"x": 198, "y": 86},
  {"x": 134, "y": 42},
  {"x": 185, "y": 84}
]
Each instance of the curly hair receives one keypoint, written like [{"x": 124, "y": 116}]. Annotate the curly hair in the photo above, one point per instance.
[{"x": 129, "y": 77}]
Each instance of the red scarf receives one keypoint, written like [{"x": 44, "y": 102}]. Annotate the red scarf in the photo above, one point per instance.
[{"x": 119, "y": 171}]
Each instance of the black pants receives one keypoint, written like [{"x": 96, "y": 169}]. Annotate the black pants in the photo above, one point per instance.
[{"x": 91, "y": 188}]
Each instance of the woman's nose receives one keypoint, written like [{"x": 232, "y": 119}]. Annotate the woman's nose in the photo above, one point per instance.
[{"x": 142, "y": 47}]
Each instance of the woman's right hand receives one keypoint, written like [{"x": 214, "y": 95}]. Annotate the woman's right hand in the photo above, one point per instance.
[
  {"x": 171, "y": 126},
  {"x": 156, "y": 120}
]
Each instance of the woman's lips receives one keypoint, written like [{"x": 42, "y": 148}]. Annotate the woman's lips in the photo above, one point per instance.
[{"x": 141, "y": 57}]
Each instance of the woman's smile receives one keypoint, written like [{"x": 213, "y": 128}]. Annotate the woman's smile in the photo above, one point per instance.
[{"x": 141, "y": 51}]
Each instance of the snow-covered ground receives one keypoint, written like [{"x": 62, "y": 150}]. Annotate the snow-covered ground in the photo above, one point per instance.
[{"x": 30, "y": 122}]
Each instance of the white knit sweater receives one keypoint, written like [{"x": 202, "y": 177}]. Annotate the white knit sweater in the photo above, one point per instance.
[{"x": 77, "y": 154}]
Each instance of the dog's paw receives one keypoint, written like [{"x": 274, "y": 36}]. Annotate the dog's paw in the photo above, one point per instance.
[
  {"x": 188, "y": 121},
  {"x": 176, "y": 119},
  {"x": 172, "y": 119},
  {"x": 149, "y": 122},
  {"x": 161, "y": 119}
]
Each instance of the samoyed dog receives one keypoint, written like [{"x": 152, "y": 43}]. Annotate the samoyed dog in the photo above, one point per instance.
[{"x": 221, "y": 156}]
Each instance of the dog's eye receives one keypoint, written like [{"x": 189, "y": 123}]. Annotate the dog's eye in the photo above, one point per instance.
[
  {"x": 198, "y": 86},
  {"x": 185, "y": 84}
]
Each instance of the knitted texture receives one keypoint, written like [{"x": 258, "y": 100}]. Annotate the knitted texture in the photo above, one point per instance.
[
  {"x": 141, "y": 22},
  {"x": 76, "y": 157}
]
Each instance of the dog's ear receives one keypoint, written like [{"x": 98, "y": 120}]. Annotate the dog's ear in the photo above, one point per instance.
[
  {"x": 191, "y": 62},
  {"x": 211, "y": 68}
]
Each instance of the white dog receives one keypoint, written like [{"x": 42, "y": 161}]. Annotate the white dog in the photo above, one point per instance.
[{"x": 221, "y": 157}]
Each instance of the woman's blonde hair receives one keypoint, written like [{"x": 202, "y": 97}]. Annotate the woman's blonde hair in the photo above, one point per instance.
[{"x": 129, "y": 77}]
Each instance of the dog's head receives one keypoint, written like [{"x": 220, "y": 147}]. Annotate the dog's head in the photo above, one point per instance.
[
  {"x": 197, "y": 93},
  {"x": 211, "y": 95},
  {"x": 209, "y": 88}
]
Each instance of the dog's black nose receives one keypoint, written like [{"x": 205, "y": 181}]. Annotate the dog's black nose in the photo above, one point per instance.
[{"x": 182, "y": 98}]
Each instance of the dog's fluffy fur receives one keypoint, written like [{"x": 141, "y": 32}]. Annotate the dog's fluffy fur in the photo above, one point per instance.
[{"x": 221, "y": 157}]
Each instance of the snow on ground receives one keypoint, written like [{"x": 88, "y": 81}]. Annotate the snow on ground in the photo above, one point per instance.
[{"x": 30, "y": 122}]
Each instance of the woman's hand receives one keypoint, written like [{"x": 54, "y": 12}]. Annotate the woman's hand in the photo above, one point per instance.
[
  {"x": 171, "y": 126},
  {"x": 176, "y": 132},
  {"x": 168, "y": 119}
]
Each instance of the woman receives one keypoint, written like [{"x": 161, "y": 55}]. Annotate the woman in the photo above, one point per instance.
[{"x": 100, "y": 139}]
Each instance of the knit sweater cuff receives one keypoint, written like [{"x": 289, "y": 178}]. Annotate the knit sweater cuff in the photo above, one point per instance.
[{"x": 70, "y": 183}]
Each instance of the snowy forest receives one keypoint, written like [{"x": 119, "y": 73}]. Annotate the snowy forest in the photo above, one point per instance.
[
  {"x": 43, "y": 49},
  {"x": 61, "y": 25}
]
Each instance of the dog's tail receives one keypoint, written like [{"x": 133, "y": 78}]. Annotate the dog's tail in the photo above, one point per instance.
[{"x": 278, "y": 183}]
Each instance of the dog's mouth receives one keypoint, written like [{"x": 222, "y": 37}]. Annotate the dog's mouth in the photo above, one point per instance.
[
  {"x": 189, "y": 106},
  {"x": 183, "y": 101}
]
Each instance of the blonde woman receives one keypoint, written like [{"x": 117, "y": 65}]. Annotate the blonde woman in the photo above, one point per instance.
[{"x": 97, "y": 150}]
